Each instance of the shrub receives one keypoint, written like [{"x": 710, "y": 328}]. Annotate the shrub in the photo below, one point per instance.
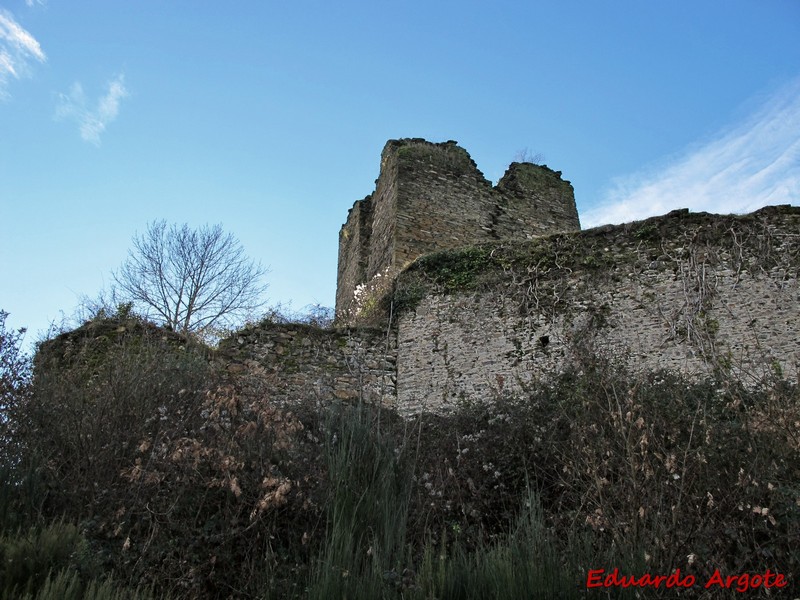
[
  {"x": 15, "y": 375},
  {"x": 54, "y": 562},
  {"x": 97, "y": 392}
]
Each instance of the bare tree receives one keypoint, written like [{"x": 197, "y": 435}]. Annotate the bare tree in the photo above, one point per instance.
[
  {"x": 15, "y": 379},
  {"x": 526, "y": 156},
  {"x": 195, "y": 280}
]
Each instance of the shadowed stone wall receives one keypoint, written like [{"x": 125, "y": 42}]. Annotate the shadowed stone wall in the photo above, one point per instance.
[{"x": 293, "y": 362}]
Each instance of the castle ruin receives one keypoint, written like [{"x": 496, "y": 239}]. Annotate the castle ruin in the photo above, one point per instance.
[
  {"x": 492, "y": 289},
  {"x": 432, "y": 197}
]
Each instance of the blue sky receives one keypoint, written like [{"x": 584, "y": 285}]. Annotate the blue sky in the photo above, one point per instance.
[{"x": 269, "y": 118}]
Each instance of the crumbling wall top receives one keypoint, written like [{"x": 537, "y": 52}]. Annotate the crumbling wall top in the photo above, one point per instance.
[{"x": 417, "y": 154}]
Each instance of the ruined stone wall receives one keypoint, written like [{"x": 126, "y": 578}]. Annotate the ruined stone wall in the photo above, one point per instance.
[
  {"x": 706, "y": 295},
  {"x": 700, "y": 294},
  {"x": 354, "y": 243},
  {"x": 292, "y": 362},
  {"x": 443, "y": 201},
  {"x": 432, "y": 197},
  {"x": 381, "y": 247},
  {"x": 493, "y": 288},
  {"x": 533, "y": 200}
]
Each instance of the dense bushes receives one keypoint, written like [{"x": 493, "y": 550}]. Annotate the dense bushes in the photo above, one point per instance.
[
  {"x": 98, "y": 392},
  {"x": 41, "y": 556},
  {"x": 15, "y": 380},
  {"x": 54, "y": 563},
  {"x": 665, "y": 473},
  {"x": 156, "y": 468},
  {"x": 167, "y": 470}
]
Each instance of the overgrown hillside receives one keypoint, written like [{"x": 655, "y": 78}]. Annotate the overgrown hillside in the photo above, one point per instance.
[{"x": 135, "y": 455}]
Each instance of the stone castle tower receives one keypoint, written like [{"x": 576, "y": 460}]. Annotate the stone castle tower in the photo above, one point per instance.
[
  {"x": 432, "y": 197},
  {"x": 708, "y": 296}
]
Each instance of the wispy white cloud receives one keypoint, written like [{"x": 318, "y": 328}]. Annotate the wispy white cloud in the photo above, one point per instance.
[
  {"x": 17, "y": 49},
  {"x": 749, "y": 165},
  {"x": 92, "y": 121}
]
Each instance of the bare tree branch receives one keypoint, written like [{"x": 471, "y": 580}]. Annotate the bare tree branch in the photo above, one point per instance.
[{"x": 192, "y": 279}]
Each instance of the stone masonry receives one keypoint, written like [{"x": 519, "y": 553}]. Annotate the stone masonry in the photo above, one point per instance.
[
  {"x": 294, "y": 361},
  {"x": 485, "y": 292},
  {"x": 705, "y": 295},
  {"x": 492, "y": 289},
  {"x": 431, "y": 197}
]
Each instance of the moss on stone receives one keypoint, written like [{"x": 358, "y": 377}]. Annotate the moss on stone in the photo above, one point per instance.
[
  {"x": 447, "y": 156},
  {"x": 530, "y": 177}
]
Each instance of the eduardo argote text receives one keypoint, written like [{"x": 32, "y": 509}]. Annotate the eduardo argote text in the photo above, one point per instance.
[{"x": 598, "y": 578}]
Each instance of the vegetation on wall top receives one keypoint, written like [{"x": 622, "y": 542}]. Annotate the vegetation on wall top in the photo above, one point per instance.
[{"x": 758, "y": 241}]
